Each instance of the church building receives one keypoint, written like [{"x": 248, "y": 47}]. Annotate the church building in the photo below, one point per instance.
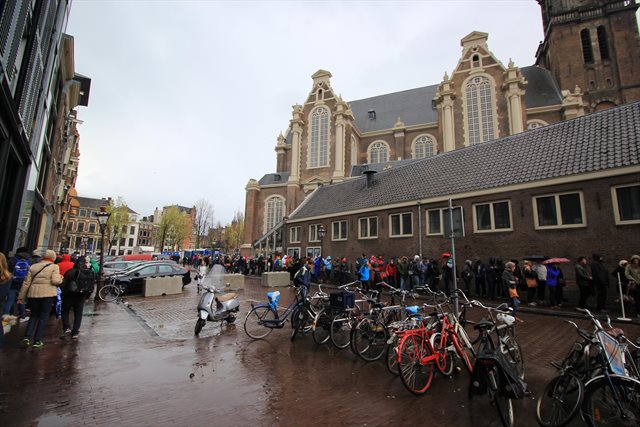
[{"x": 588, "y": 62}]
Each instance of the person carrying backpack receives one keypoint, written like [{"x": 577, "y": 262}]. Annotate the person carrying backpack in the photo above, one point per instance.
[
  {"x": 19, "y": 266},
  {"x": 77, "y": 287}
]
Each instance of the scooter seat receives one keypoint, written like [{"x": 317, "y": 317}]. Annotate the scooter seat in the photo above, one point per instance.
[{"x": 226, "y": 297}]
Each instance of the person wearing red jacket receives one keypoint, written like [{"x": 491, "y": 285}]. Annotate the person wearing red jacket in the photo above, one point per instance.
[
  {"x": 66, "y": 264},
  {"x": 391, "y": 270}
]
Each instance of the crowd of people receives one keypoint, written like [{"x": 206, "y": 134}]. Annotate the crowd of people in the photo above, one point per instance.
[
  {"x": 533, "y": 282},
  {"x": 45, "y": 283}
]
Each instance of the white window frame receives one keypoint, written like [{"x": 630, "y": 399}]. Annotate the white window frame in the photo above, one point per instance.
[
  {"x": 313, "y": 233},
  {"x": 319, "y": 161},
  {"x": 493, "y": 228},
  {"x": 616, "y": 210},
  {"x": 315, "y": 250},
  {"x": 296, "y": 231},
  {"x": 368, "y": 218},
  {"x": 339, "y": 238},
  {"x": 556, "y": 196},
  {"x": 291, "y": 251},
  {"x": 440, "y": 210},
  {"x": 378, "y": 143},
  {"x": 425, "y": 139},
  {"x": 402, "y": 231}
]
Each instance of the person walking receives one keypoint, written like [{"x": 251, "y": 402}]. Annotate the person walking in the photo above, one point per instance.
[
  {"x": 41, "y": 287},
  {"x": 584, "y": 281},
  {"x": 77, "y": 287},
  {"x": 600, "y": 277}
]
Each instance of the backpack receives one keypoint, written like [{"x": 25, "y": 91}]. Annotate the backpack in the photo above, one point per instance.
[{"x": 20, "y": 271}]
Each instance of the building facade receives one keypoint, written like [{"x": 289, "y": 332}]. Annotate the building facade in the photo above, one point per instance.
[
  {"x": 38, "y": 90},
  {"x": 329, "y": 140}
]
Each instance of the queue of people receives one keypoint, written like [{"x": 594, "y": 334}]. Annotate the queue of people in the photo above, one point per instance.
[{"x": 45, "y": 284}]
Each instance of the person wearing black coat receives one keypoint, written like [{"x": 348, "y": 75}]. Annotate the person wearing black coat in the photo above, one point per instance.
[
  {"x": 77, "y": 287},
  {"x": 600, "y": 277}
]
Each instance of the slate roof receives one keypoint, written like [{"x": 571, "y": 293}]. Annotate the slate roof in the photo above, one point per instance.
[
  {"x": 274, "y": 178},
  {"x": 596, "y": 142},
  {"x": 357, "y": 170},
  {"x": 542, "y": 89}
]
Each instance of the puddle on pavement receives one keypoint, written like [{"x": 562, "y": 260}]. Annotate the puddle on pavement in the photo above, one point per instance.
[{"x": 53, "y": 420}]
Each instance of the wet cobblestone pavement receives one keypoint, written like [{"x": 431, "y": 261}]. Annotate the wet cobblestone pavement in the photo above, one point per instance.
[{"x": 138, "y": 364}]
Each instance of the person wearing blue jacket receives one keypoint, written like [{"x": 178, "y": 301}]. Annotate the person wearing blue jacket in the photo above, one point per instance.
[
  {"x": 553, "y": 283},
  {"x": 365, "y": 271}
]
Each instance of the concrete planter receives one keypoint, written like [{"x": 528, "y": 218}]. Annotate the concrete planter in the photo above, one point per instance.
[
  {"x": 236, "y": 281},
  {"x": 275, "y": 279},
  {"x": 162, "y": 286}
]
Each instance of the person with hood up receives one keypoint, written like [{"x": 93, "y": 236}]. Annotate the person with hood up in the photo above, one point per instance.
[
  {"x": 467, "y": 276},
  {"x": 328, "y": 267},
  {"x": 77, "y": 286},
  {"x": 41, "y": 286},
  {"x": 447, "y": 272},
  {"x": 600, "y": 277},
  {"x": 66, "y": 264}
]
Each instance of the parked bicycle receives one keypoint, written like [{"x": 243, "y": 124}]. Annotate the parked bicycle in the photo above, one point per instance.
[
  {"x": 598, "y": 378},
  {"x": 112, "y": 290}
]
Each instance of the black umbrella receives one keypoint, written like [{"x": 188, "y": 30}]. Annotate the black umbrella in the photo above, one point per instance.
[{"x": 534, "y": 257}]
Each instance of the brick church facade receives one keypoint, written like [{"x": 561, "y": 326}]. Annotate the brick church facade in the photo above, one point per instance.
[{"x": 588, "y": 62}]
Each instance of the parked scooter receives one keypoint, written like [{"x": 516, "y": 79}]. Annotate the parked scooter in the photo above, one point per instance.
[{"x": 215, "y": 305}]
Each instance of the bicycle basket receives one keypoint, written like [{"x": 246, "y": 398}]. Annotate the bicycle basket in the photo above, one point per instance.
[
  {"x": 614, "y": 351},
  {"x": 342, "y": 299}
]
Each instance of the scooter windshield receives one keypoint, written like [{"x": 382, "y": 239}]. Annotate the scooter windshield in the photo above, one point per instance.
[{"x": 216, "y": 277}]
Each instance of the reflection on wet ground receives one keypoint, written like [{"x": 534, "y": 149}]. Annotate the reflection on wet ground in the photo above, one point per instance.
[{"x": 141, "y": 365}]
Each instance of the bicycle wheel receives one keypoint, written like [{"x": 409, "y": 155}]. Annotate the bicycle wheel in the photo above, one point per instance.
[
  {"x": 321, "y": 327},
  {"x": 415, "y": 376},
  {"x": 616, "y": 404},
  {"x": 253, "y": 325},
  {"x": 560, "y": 401},
  {"x": 303, "y": 322},
  {"x": 369, "y": 340},
  {"x": 392, "y": 357},
  {"x": 340, "y": 331},
  {"x": 502, "y": 403},
  {"x": 109, "y": 293},
  {"x": 513, "y": 353},
  {"x": 464, "y": 350},
  {"x": 444, "y": 362}
]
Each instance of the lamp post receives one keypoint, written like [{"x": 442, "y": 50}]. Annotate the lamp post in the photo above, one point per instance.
[
  {"x": 103, "y": 217},
  {"x": 321, "y": 232}
]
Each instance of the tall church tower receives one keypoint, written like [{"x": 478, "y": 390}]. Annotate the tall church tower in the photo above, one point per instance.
[{"x": 592, "y": 44}]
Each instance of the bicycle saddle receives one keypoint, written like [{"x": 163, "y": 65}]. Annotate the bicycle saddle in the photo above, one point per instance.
[{"x": 483, "y": 324}]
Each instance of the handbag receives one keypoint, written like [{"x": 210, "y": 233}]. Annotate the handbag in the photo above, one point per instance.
[
  {"x": 531, "y": 282},
  {"x": 513, "y": 293},
  {"x": 72, "y": 286}
]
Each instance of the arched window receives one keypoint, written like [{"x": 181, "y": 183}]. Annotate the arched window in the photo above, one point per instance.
[
  {"x": 587, "y": 53},
  {"x": 378, "y": 152},
  {"x": 354, "y": 151},
  {"x": 319, "y": 138},
  {"x": 479, "y": 99},
  {"x": 424, "y": 146},
  {"x": 602, "y": 43},
  {"x": 273, "y": 211},
  {"x": 535, "y": 124}
]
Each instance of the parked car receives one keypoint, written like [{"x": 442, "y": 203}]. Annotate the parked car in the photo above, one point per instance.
[
  {"x": 111, "y": 267},
  {"x": 134, "y": 276}
]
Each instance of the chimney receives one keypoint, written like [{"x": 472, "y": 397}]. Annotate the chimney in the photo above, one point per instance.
[{"x": 369, "y": 174}]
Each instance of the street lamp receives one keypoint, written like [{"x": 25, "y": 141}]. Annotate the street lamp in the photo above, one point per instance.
[
  {"x": 321, "y": 232},
  {"x": 103, "y": 217}
]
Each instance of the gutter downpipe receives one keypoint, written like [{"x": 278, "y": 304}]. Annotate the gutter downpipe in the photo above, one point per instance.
[{"x": 420, "y": 228}]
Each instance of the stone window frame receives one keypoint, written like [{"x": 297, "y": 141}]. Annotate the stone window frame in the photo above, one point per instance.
[
  {"x": 310, "y": 139},
  {"x": 493, "y": 103},
  {"x": 616, "y": 206},
  {"x": 368, "y": 236},
  {"x": 82, "y": 213},
  {"x": 297, "y": 232},
  {"x": 493, "y": 228},
  {"x": 269, "y": 199},
  {"x": 340, "y": 237},
  {"x": 92, "y": 227},
  {"x": 559, "y": 224},
  {"x": 377, "y": 144},
  {"x": 536, "y": 124},
  {"x": 313, "y": 233},
  {"x": 402, "y": 231},
  {"x": 429, "y": 140},
  {"x": 291, "y": 250}
]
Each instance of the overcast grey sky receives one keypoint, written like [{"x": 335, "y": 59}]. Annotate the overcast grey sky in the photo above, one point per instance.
[{"x": 188, "y": 97}]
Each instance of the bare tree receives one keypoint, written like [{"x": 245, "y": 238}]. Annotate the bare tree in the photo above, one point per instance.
[{"x": 203, "y": 221}]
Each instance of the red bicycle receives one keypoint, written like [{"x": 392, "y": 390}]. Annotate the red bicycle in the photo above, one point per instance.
[{"x": 422, "y": 348}]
